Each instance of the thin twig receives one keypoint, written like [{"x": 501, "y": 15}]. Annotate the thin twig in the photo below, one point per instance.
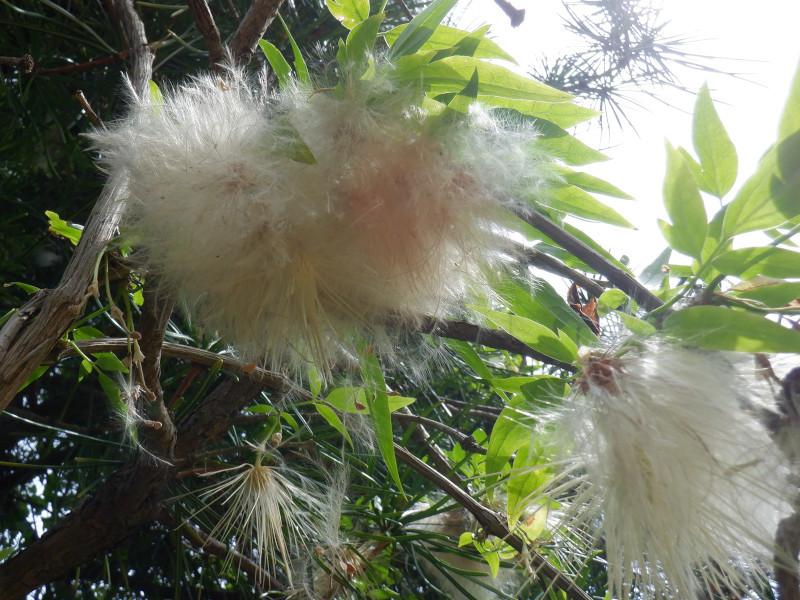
[
  {"x": 468, "y": 442},
  {"x": 24, "y": 63},
  {"x": 493, "y": 338},
  {"x": 553, "y": 265},
  {"x": 492, "y": 522},
  {"x": 266, "y": 378},
  {"x": 619, "y": 277},
  {"x": 211, "y": 545},
  {"x": 404, "y": 7},
  {"x": 204, "y": 21},
  {"x": 87, "y": 108},
  {"x": 99, "y": 62}
]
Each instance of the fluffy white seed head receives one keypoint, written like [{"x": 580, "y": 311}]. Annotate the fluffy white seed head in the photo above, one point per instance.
[
  {"x": 268, "y": 511},
  {"x": 293, "y": 257},
  {"x": 674, "y": 471}
]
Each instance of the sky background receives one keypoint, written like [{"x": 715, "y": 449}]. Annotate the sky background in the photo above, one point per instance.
[{"x": 758, "y": 40}]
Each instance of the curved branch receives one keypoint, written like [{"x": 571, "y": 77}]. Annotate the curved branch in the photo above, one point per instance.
[
  {"x": 31, "y": 334},
  {"x": 553, "y": 265},
  {"x": 619, "y": 277}
]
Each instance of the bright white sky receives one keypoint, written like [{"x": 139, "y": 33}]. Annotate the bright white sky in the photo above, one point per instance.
[{"x": 761, "y": 40}]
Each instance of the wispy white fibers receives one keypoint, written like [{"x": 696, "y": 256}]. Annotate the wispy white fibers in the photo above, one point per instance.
[
  {"x": 291, "y": 256},
  {"x": 675, "y": 473}
]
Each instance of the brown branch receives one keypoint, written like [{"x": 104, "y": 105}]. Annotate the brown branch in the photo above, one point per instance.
[
  {"x": 127, "y": 500},
  {"x": 619, "y": 277},
  {"x": 99, "y": 62},
  {"x": 252, "y": 28},
  {"x": 468, "y": 442},
  {"x": 214, "y": 547},
  {"x": 204, "y": 21},
  {"x": 30, "y": 335},
  {"x": 553, "y": 265},
  {"x": 155, "y": 316},
  {"x": 516, "y": 15},
  {"x": 261, "y": 376},
  {"x": 493, "y": 523},
  {"x": 87, "y": 108},
  {"x": 24, "y": 63},
  {"x": 404, "y": 7},
  {"x": 493, "y": 338},
  {"x": 141, "y": 56}
]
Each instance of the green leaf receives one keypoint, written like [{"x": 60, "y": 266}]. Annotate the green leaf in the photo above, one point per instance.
[
  {"x": 468, "y": 354},
  {"x": 25, "y": 287},
  {"x": 544, "y": 305},
  {"x": 527, "y": 476},
  {"x": 465, "y": 539},
  {"x": 314, "y": 382},
  {"x": 790, "y": 119},
  {"x": 360, "y": 42},
  {"x": 109, "y": 362},
  {"x": 770, "y": 196},
  {"x": 718, "y": 160},
  {"x": 491, "y": 557},
  {"x": 575, "y": 201},
  {"x": 533, "y": 334},
  {"x": 453, "y": 73},
  {"x": 562, "y": 114},
  {"x": 333, "y": 420},
  {"x": 282, "y": 69},
  {"x": 720, "y": 328},
  {"x": 156, "y": 97},
  {"x": 349, "y": 12},
  {"x": 37, "y": 372},
  {"x": 684, "y": 206},
  {"x": 636, "y": 325},
  {"x": 768, "y": 261},
  {"x": 420, "y": 29},
  {"x": 86, "y": 333},
  {"x": 611, "y": 300},
  {"x": 60, "y": 227},
  {"x": 767, "y": 290},
  {"x": 295, "y": 147},
  {"x": 566, "y": 147},
  {"x": 511, "y": 431},
  {"x": 354, "y": 400},
  {"x": 299, "y": 62},
  {"x": 654, "y": 274},
  {"x": 444, "y": 37},
  {"x": 590, "y": 183}
]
